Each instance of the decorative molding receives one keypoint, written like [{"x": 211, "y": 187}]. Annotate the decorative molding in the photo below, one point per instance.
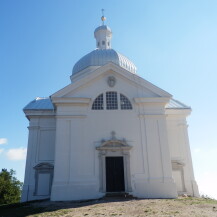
[
  {"x": 47, "y": 128},
  {"x": 43, "y": 168},
  {"x": 71, "y": 100},
  {"x": 140, "y": 100},
  {"x": 33, "y": 127},
  {"x": 113, "y": 144},
  {"x": 111, "y": 81},
  {"x": 70, "y": 116},
  {"x": 178, "y": 163},
  {"x": 152, "y": 115},
  {"x": 114, "y": 148},
  {"x": 39, "y": 113},
  {"x": 89, "y": 77},
  {"x": 178, "y": 112}
]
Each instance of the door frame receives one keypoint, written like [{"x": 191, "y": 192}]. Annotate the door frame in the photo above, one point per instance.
[
  {"x": 179, "y": 166},
  {"x": 114, "y": 148}
]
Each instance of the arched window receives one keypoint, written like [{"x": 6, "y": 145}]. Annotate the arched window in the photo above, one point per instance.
[
  {"x": 125, "y": 103},
  {"x": 98, "y": 103},
  {"x": 112, "y": 102}
]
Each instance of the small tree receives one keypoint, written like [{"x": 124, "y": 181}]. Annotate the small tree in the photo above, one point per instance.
[{"x": 10, "y": 187}]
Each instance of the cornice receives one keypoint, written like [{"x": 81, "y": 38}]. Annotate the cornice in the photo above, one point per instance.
[
  {"x": 71, "y": 100},
  {"x": 144, "y": 100}
]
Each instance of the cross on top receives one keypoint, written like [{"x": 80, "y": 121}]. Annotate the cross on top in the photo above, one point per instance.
[{"x": 103, "y": 18}]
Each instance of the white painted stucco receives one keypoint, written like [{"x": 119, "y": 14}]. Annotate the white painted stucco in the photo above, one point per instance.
[{"x": 69, "y": 143}]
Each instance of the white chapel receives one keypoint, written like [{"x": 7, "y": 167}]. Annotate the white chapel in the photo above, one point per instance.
[{"x": 108, "y": 131}]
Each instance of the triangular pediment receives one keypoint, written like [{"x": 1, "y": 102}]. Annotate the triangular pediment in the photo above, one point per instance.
[{"x": 103, "y": 71}]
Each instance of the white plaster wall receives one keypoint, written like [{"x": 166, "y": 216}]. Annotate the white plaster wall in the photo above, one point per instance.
[
  {"x": 92, "y": 88},
  {"x": 80, "y": 130},
  {"x": 40, "y": 149},
  {"x": 69, "y": 140},
  {"x": 180, "y": 151}
]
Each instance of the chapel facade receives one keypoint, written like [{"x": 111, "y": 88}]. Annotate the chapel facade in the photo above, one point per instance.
[{"x": 108, "y": 131}]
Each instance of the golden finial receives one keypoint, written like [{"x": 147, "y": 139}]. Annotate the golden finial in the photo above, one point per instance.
[{"x": 103, "y": 18}]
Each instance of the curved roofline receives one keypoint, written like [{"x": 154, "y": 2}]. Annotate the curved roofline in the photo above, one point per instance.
[
  {"x": 100, "y": 57},
  {"x": 102, "y": 27}
]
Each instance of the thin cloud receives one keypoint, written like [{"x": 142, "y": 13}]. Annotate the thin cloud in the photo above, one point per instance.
[
  {"x": 1, "y": 150},
  {"x": 196, "y": 150},
  {"x": 16, "y": 154},
  {"x": 207, "y": 184},
  {"x": 205, "y": 162},
  {"x": 3, "y": 141}
]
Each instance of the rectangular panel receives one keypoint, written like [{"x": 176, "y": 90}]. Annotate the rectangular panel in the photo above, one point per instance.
[
  {"x": 82, "y": 151},
  {"x": 153, "y": 147},
  {"x": 177, "y": 175},
  {"x": 46, "y": 145},
  {"x": 43, "y": 184},
  {"x": 62, "y": 152}
]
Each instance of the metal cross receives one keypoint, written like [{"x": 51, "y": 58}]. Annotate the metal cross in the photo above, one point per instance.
[{"x": 103, "y": 17}]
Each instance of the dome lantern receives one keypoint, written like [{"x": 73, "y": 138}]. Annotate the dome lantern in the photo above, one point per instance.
[
  {"x": 102, "y": 55},
  {"x": 103, "y": 35}
]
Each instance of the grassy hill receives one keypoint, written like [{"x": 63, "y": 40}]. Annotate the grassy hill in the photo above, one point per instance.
[{"x": 183, "y": 206}]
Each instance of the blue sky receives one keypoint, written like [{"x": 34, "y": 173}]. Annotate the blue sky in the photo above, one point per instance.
[{"x": 173, "y": 44}]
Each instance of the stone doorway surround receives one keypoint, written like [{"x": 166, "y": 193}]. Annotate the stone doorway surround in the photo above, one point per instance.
[
  {"x": 178, "y": 166},
  {"x": 43, "y": 169},
  {"x": 114, "y": 148}
]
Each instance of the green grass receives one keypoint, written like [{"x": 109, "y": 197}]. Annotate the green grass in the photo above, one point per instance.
[
  {"x": 29, "y": 209},
  {"x": 193, "y": 200}
]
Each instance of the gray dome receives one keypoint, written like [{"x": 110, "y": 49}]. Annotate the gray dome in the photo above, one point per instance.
[
  {"x": 103, "y": 27},
  {"x": 100, "y": 57}
]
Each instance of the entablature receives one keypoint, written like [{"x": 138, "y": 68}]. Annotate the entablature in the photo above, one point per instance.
[
  {"x": 39, "y": 113},
  {"x": 81, "y": 101},
  {"x": 153, "y": 100}
]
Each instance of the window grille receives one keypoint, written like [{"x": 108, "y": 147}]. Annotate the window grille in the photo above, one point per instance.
[
  {"x": 98, "y": 103},
  {"x": 125, "y": 103},
  {"x": 111, "y": 100}
]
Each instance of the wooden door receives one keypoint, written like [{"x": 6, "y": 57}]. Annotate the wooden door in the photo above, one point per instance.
[{"x": 115, "y": 174}]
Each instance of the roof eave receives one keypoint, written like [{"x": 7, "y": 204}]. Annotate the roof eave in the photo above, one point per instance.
[{"x": 30, "y": 113}]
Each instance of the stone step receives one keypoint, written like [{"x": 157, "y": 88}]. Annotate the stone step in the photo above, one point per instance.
[{"x": 119, "y": 195}]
